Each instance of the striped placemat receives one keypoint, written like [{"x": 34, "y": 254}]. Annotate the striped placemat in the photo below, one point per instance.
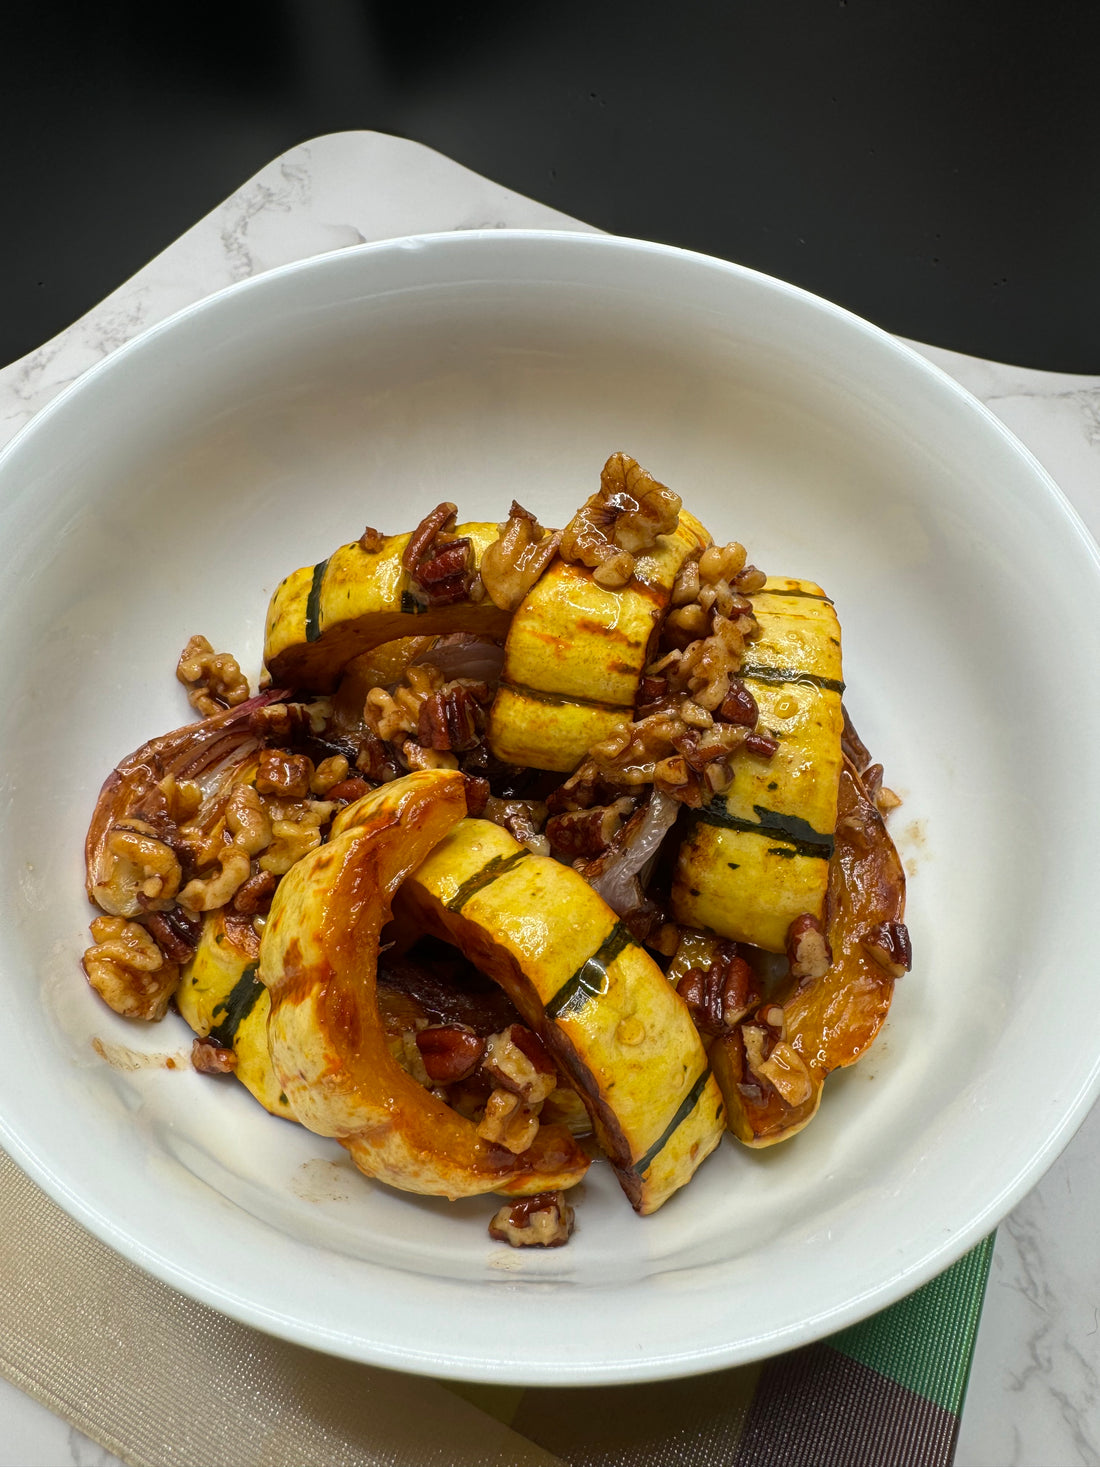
[{"x": 885, "y": 1393}]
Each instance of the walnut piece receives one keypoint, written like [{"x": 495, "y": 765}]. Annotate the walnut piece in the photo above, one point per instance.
[
  {"x": 619, "y": 522},
  {"x": 507, "y": 1122},
  {"x": 516, "y": 1060},
  {"x": 213, "y": 680},
  {"x": 542, "y": 1221},
  {"x": 781, "y": 1066},
  {"x": 145, "y": 873},
  {"x": 511, "y": 565},
  {"x": 284, "y": 774},
  {"x": 128, "y": 970},
  {"x": 808, "y": 950}
]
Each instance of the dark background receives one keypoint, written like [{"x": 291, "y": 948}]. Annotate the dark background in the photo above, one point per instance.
[{"x": 934, "y": 166}]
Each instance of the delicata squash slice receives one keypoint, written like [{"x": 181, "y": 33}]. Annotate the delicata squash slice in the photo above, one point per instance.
[
  {"x": 323, "y": 616},
  {"x": 576, "y": 650},
  {"x": 318, "y": 960},
  {"x": 757, "y": 856},
  {"x": 772, "y": 1067},
  {"x": 596, "y": 998}
]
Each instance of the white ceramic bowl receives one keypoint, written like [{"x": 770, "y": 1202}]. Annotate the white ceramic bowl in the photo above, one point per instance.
[{"x": 177, "y": 482}]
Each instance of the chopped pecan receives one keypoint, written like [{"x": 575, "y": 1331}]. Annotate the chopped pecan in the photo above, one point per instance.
[
  {"x": 720, "y": 996},
  {"x": 763, "y": 746},
  {"x": 349, "y": 790},
  {"x": 477, "y": 794},
  {"x": 587, "y": 832},
  {"x": 523, "y": 819},
  {"x": 808, "y": 950},
  {"x": 372, "y": 540},
  {"x": 213, "y": 1059},
  {"x": 450, "y": 1052},
  {"x": 438, "y": 521},
  {"x": 542, "y": 1221},
  {"x": 256, "y": 894},
  {"x": 739, "y": 705},
  {"x": 888, "y": 943},
  {"x": 449, "y": 719},
  {"x": 445, "y": 564},
  {"x": 176, "y": 933}
]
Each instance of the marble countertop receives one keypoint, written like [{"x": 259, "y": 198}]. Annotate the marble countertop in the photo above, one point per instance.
[{"x": 1034, "y": 1393}]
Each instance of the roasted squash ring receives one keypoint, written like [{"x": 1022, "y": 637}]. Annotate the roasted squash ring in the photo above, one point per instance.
[{"x": 318, "y": 960}]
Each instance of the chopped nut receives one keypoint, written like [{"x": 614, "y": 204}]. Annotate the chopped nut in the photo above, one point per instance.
[
  {"x": 449, "y": 719},
  {"x": 511, "y": 565},
  {"x": 543, "y": 1221},
  {"x": 587, "y": 833},
  {"x": 507, "y": 1122},
  {"x": 291, "y": 841},
  {"x": 739, "y": 705},
  {"x": 247, "y": 820},
  {"x": 516, "y": 1059},
  {"x": 718, "y": 997},
  {"x": 329, "y": 772},
  {"x": 623, "y": 519},
  {"x": 523, "y": 819},
  {"x": 206, "y": 894},
  {"x": 372, "y": 540},
  {"x": 808, "y": 950},
  {"x": 213, "y": 680},
  {"x": 213, "y": 1059},
  {"x": 256, "y": 894},
  {"x": 146, "y": 869},
  {"x": 888, "y": 943},
  {"x": 128, "y": 970},
  {"x": 782, "y": 1066},
  {"x": 416, "y": 756},
  {"x": 450, "y": 1052},
  {"x": 284, "y": 774},
  {"x": 176, "y": 933},
  {"x": 721, "y": 563},
  {"x": 440, "y": 520}
]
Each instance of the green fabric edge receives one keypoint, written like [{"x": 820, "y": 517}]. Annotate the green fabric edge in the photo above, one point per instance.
[{"x": 926, "y": 1342}]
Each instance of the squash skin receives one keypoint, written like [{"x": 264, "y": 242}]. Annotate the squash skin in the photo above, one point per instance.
[
  {"x": 748, "y": 886},
  {"x": 212, "y": 985},
  {"x": 830, "y": 1021},
  {"x": 575, "y": 654},
  {"x": 322, "y": 617},
  {"x": 318, "y": 958},
  {"x": 613, "y": 1022}
]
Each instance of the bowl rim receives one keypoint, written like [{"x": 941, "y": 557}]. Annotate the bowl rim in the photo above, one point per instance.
[{"x": 897, "y": 1284}]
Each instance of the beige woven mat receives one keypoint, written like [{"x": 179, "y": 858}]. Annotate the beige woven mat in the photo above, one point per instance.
[{"x": 164, "y": 1382}]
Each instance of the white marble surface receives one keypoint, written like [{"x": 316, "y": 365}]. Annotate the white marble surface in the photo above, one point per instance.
[{"x": 1034, "y": 1397}]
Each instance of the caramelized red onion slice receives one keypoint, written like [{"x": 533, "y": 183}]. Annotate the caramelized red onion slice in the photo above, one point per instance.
[
  {"x": 618, "y": 875},
  {"x": 461, "y": 655},
  {"x": 207, "y": 752}
]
